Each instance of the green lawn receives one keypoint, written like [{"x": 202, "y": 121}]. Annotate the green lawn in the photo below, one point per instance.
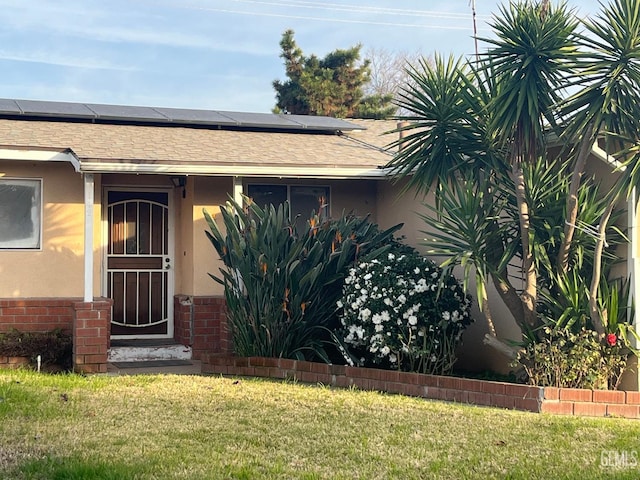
[{"x": 199, "y": 427}]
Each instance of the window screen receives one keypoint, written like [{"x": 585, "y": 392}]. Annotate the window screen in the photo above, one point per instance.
[{"x": 20, "y": 214}]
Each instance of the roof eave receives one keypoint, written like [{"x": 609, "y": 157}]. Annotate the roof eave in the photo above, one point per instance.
[
  {"x": 336, "y": 172},
  {"x": 40, "y": 155}
]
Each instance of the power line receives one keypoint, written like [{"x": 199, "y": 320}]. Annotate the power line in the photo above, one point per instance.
[
  {"x": 314, "y": 18},
  {"x": 361, "y": 9}
]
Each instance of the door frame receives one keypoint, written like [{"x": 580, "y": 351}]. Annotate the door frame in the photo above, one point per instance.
[{"x": 171, "y": 253}]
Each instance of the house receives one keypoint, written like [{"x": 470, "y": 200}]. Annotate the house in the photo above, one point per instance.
[
  {"x": 101, "y": 214},
  {"x": 101, "y": 211}
]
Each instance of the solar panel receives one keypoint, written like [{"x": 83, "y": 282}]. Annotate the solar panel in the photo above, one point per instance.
[
  {"x": 264, "y": 120},
  {"x": 9, "y": 106},
  {"x": 122, "y": 112},
  {"x": 63, "y": 109},
  {"x": 323, "y": 123},
  {"x": 184, "y": 115},
  {"x": 180, "y": 116}
]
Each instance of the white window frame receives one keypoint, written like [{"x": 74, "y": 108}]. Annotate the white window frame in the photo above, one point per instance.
[{"x": 38, "y": 218}]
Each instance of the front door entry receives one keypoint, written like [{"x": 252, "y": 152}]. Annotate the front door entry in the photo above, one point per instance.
[{"x": 139, "y": 273}]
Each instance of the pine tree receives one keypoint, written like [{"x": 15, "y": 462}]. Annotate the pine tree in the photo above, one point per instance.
[{"x": 331, "y": 86}]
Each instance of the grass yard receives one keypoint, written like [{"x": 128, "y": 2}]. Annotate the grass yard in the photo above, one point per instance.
[{"x": 199, "y": 427}]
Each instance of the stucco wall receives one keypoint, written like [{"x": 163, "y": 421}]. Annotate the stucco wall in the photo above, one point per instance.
[
  {"x": 394, "y": 208},
  {"x": 57, "y": 270},
  {"x": 211, "y": 192}
]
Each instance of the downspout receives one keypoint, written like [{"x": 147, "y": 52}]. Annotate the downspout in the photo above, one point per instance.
[{"x": 88, "y": 236}]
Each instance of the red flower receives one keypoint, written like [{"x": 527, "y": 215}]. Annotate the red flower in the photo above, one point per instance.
[{"x": 612, "y": 339}]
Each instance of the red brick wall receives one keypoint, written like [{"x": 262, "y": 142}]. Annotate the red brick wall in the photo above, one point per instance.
[
  {"x": 182, "y": 319},
  {"x": 567, "y": 401},
  {"x": 36, "y": 314},
  {"x": 201, "y": 322},
  {"x": 88, "y": 322},
  {"x": 91, "y": 335}
]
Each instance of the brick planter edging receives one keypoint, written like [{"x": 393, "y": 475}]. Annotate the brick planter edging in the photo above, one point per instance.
[{"x": 529, "y": 398}]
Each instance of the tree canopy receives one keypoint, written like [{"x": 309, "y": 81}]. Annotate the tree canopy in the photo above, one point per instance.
[
  {"x": 504, "y": 142},
  {"x": 331, "y": 86}
]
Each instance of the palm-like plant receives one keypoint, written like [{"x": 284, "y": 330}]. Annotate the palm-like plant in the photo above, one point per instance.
[{"x": 479, "y": 135}]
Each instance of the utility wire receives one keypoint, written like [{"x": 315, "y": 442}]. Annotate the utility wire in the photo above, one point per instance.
[
  {"x": 205, "y": 8},
  {"x": 361, "y": 9}
]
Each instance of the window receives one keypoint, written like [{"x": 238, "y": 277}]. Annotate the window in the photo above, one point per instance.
[
  {"x": 20, "y": 213},
  {"x": 303, "y": 199}
]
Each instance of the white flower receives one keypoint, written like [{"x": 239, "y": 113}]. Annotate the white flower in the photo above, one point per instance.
[
  {"x": 339, "y": 304},
  {"x": 391, "y": 256},
  {"x": 416, "y": 270},
  {"x": 385, "y": 351},
  {"x": 376, "y": 319},
  {"x": 385, "y": 316},
  {"x": 413, "y": 320},
  {"x": 387, "y": 301},
  {"x": 393, "y": 358},
  {"x": 434, "y": 275},
  {"x": 433, "y": 358},
  {"x": 368, "y": 276},
  {"x": 402, "y": 299},
  {"x": 379, "y": 328},
  {"x": 365, "y": 314},
  {"x": 446, "y": 316}
]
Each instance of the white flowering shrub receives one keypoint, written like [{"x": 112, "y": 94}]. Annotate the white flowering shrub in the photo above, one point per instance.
[{"x": 401, "y": 312}]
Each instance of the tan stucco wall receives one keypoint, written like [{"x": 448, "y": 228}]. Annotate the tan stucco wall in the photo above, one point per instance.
[
  {"x": 394, "y": 208},
  {"x": 211, "y": 192},
  {"x": 58, "y": 268}
]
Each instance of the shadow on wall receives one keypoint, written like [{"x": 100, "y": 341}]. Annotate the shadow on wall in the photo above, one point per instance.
[{"x": 55, "y": 270}]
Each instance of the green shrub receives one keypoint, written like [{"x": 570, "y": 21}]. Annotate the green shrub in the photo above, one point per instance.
[
  {"x": 401, "y": 311},
  {"x": 567, "y": 351},
  {"x": 281, "y": 286},
  {"x": 54, "y": 347},
  {"x": 575, "y": 360}
]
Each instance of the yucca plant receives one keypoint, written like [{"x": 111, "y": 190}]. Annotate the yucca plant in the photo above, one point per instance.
[
  {"x": 504, "y": 143},
  {"x": 281, "y": 285}
]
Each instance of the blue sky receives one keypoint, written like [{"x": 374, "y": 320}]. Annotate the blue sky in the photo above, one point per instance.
[{"x": 213, "y": 54}]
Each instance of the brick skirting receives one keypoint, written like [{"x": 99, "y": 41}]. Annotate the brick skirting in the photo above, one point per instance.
[
  {"x": 201, "y": 323},
  {"x": 36, "y": 314},
  {"x": 87, "y": 322},
  {"x": 565, "y": 401}
]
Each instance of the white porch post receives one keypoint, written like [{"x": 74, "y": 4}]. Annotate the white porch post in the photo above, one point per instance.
[
  {"x": 237, "y": 190},
  {"x": 88, "y": 237}
]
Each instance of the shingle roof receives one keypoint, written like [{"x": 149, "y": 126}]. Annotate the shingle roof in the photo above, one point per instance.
[{"x": 169, "y": 148}]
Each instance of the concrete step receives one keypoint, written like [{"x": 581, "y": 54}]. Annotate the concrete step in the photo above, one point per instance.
[{"x": 146, "y": 353}]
